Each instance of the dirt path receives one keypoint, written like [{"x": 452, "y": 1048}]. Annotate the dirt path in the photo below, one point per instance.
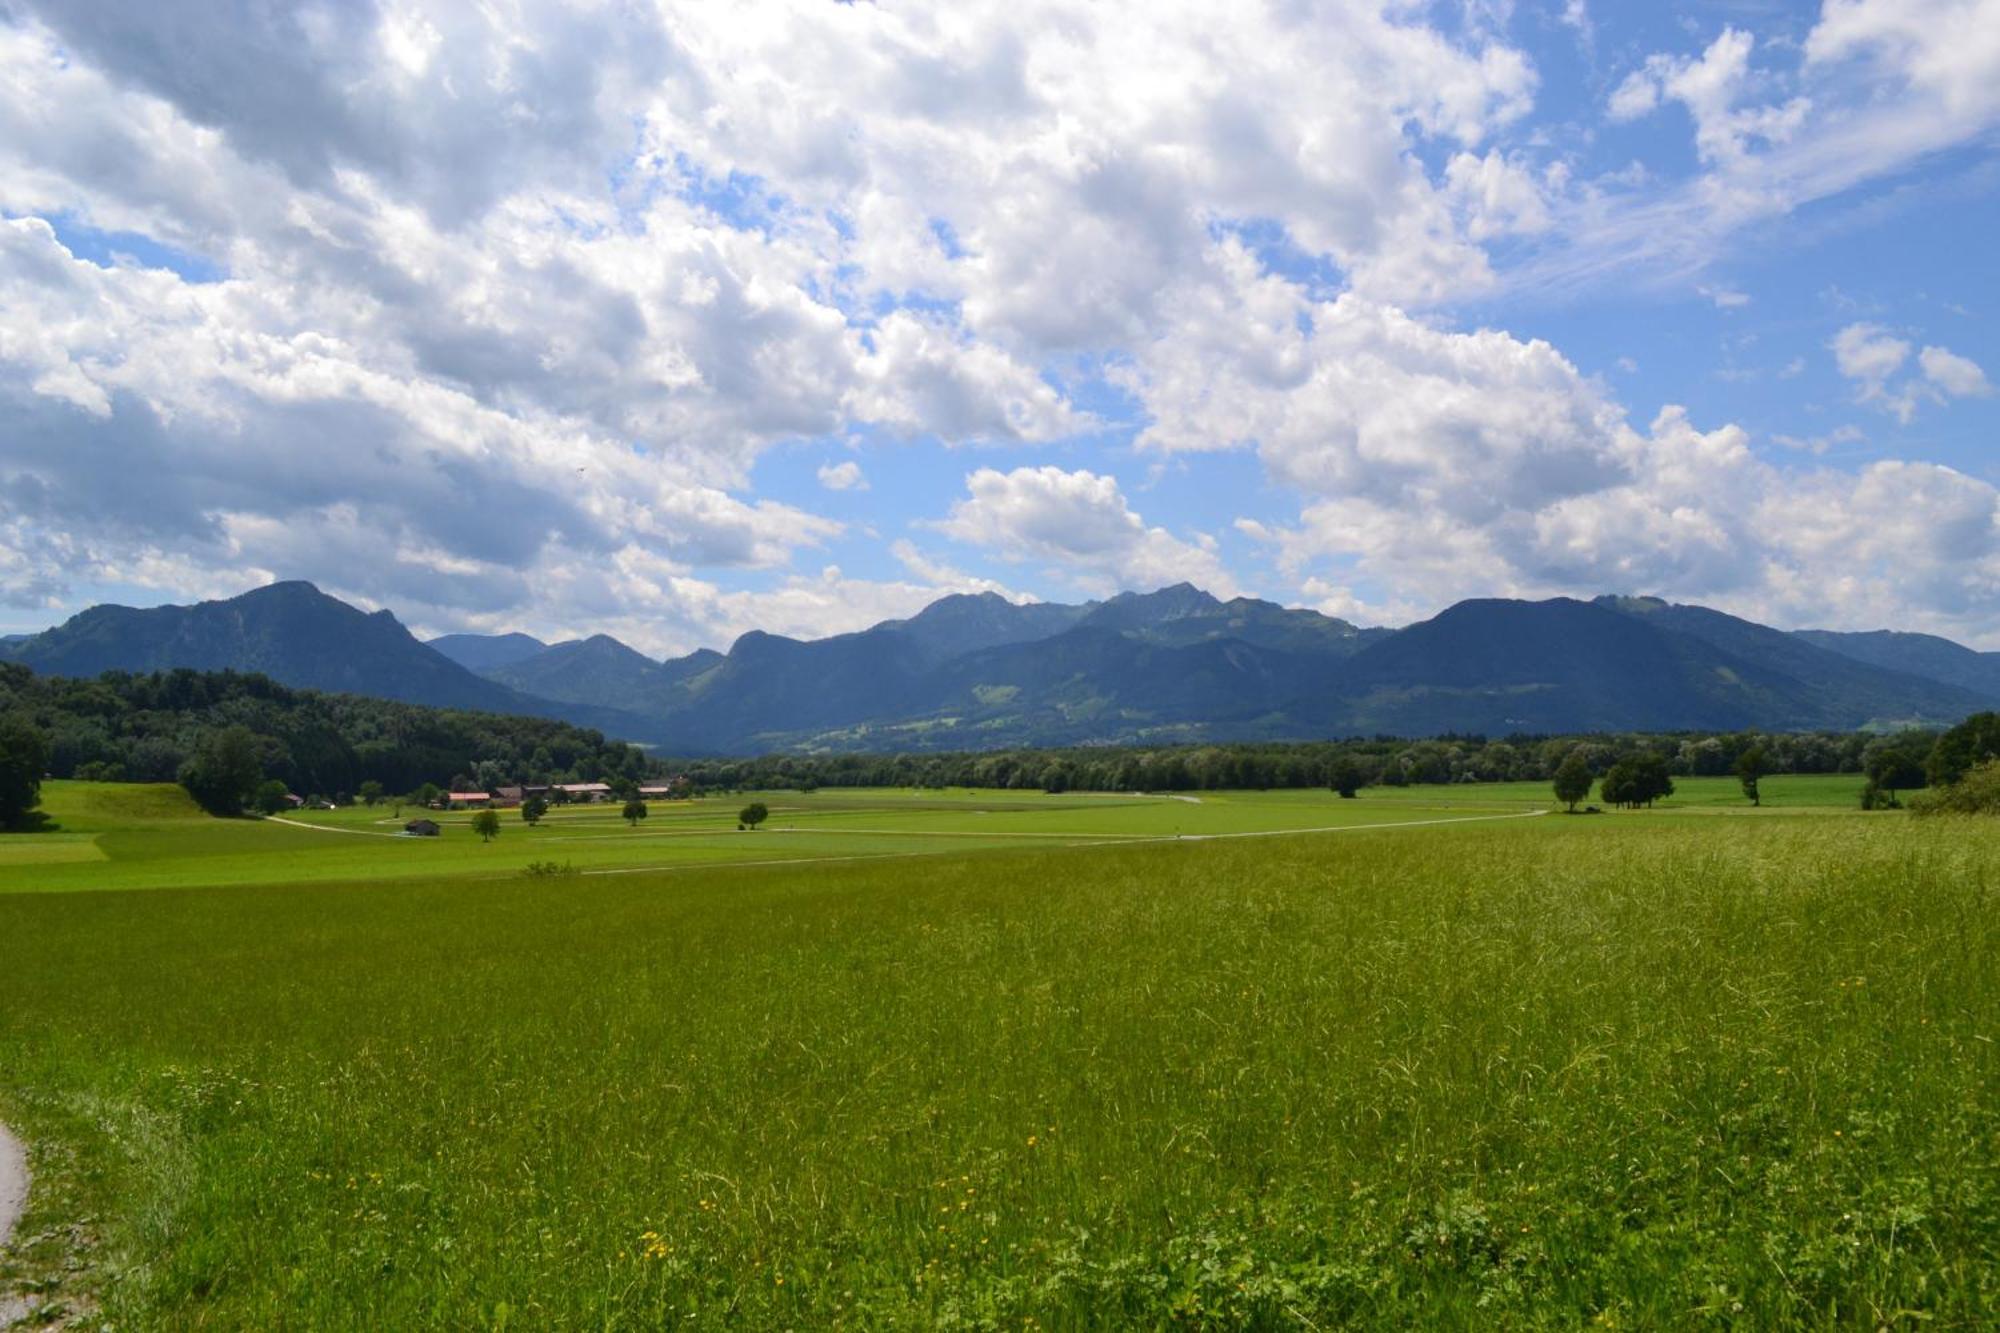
[
  {"x": 327, "y": 828},
  {"x": 13, "y": 1183},
  {"x": 13, "y": 1198}
]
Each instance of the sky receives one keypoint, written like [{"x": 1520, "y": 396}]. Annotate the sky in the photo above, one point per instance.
[{"x": 675, "y": 320}]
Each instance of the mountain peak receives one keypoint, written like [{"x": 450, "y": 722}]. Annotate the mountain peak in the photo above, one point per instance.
[{"x": 283, "y": 590}]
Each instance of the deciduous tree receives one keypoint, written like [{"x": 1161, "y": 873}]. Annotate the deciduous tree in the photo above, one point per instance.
[
  {"x": 24, "y": 757},
  {"x": 1751, "y": 766},
  {"x": 1573, "y": 780}
]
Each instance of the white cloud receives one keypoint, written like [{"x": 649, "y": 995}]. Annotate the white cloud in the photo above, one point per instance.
[
  {"x": 1710, "y": 86},
  {"x": 1876, "y": 88},
  {"x": 507, "y": 282},
  {"x": 1872, "y": 357},
  {"x": 842, "y": 476},
  {"x": 513, "y": 298},
  {"x": 1433, "y": 465},
  {"x": 1954, "y": 374},
  {"x": 1869, "y": 354},
  {"x": 1078, "y": 522},
  {"x": 1636, "y": 95}
]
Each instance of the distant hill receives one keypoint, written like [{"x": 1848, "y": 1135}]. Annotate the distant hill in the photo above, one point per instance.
[
  {"x": 1917, "y": 655},
  {"x": 602, "y": 672},
  {"x": 980, "y": 672},
  {"x": 484, "y": 652},
  {"x": 296, "y": 635},
  {"x": 1498, "y": 666},
  {"x": 1184, "y": 615}
]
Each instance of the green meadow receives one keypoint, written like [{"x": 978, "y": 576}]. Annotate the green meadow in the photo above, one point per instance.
[{"x": 1001, "y": 1060}]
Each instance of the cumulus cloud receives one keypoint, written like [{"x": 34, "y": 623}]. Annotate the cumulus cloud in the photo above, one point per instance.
[
  {"x": 1872, "y": 358},
  {"x": 1434, "y": 464},
  {"x": 1710, "y": 86},
  {"x": 1869, "y": 355},
  {"x": 1080, "y": 524},
  {"x": 1953, "y": 374},
  {"x": 498, "y": 284},
  {"x": 842, "y": 476},
  {"x": 489, "y": 313}
]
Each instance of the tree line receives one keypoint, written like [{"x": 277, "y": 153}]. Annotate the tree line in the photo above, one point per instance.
[
  {"x": 1900, "y": 758},
  {"x": 238, "y": 739},
  {"x": 212, "y": 729}
]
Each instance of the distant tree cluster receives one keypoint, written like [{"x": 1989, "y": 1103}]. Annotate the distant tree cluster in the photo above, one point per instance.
[
  {"x": 227, "y": 735},
  {"x": 1341, "y": 766}
]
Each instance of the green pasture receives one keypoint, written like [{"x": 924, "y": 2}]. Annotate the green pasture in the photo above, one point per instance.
[
  {"x": 116, "y": 836},
  {"x": 1696, "y": 1066}
]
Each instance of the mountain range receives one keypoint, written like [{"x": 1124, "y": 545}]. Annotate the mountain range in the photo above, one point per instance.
[{"x": 978, "y": 671}]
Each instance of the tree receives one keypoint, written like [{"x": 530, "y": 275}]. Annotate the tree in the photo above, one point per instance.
[
  {"x": 370, "y": 792},
  {"x": 24, "y": 757},
  {"x": 425, "y": 795},
  {"x": 533, "y": 809},
  {"x": 487, "y": 825},
  {"x": 1971, "y": 743},
  {"x": 222, "y": 776},
  {"x": 753, "y": 814},
  {"x": 1751, "y": 765},
  {"x": 1638, "y": 779},
  {"x": 1573, "y": 779},
  {"x": 272, "y": 797},
  {"x": 1345, "y": 778},
  {"x": 1897, "y": 763},
  {"x": 635, "y": 810}
]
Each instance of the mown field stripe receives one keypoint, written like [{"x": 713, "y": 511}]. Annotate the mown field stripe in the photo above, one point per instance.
[
  {"x": 1082, "y": 840},
  {"x": 329, "y": 828}
]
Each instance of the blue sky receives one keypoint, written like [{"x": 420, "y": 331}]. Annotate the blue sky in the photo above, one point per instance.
[{"x": 676, "y": 322}]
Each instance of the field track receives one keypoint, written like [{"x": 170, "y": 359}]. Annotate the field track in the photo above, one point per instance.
[
  {"x": 326, "y": 828},
  {"x": 13, "y": 1183}
]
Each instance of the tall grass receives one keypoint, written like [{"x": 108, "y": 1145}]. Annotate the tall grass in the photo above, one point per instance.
[{"x": 1649, "y": 1073}]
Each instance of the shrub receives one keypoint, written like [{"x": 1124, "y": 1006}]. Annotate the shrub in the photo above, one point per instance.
[
  {"x": 548, "y": 870},
  {"x": 273, "y": 797},
  {"x": 1977, "y": 793},
  {"x": 1875, "y": 796}
]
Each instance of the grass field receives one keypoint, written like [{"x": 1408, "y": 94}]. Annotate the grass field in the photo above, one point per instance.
[
  {"x": 113, "y": 836},
  {"x": 1053, "y": 1061}
]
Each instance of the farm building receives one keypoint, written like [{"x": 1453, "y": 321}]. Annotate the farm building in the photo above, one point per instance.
[
  {"x": 466, "y": 800},
  {"x": 421, "y": 828},
  {"x": 585, "y": 791}
]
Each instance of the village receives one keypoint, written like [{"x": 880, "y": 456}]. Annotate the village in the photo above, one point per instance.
[{"x": 560, "y": 793}]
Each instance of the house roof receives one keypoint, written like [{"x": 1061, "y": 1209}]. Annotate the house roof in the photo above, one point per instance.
[
  {"x": 583, "y": 786},
  {"x": 468, "y": 796}
]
